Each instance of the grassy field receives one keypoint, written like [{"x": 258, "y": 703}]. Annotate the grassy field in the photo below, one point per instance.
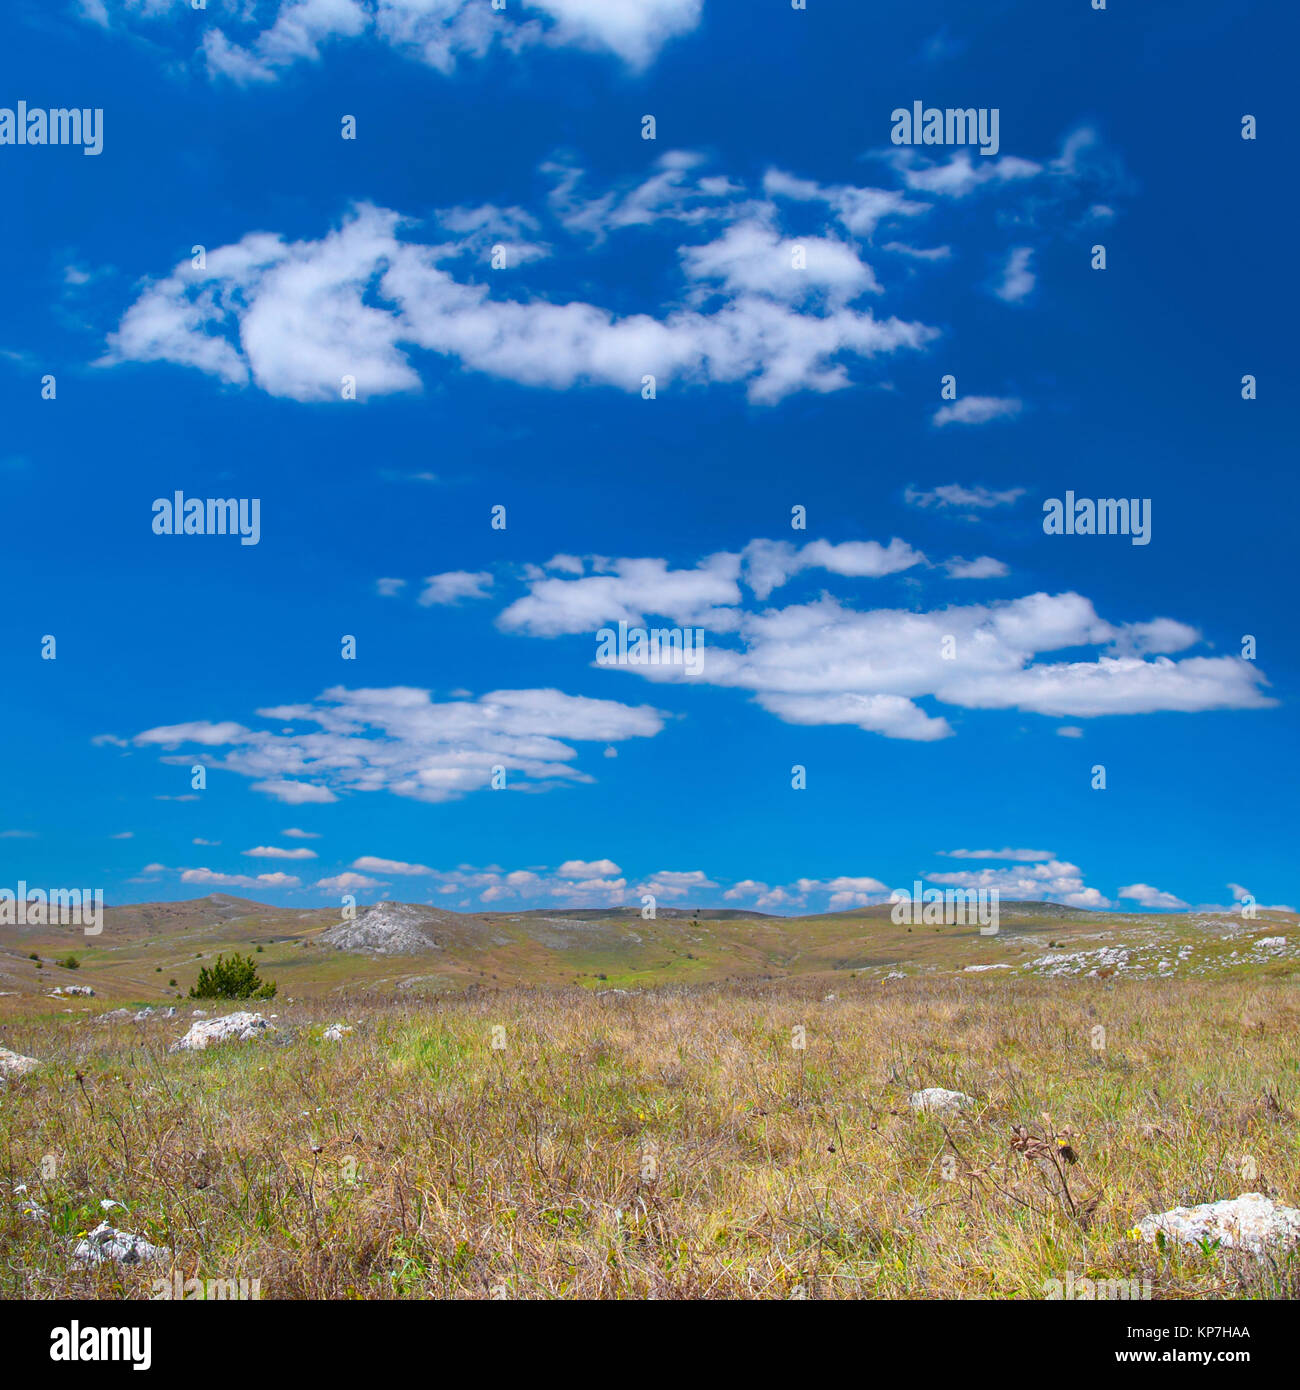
[{"x": 672, "y": 1143}]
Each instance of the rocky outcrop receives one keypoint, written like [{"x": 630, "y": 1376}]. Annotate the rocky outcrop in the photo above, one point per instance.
[
  {"x": 387, "y": 929},
  {"x": 935, "y": 1100},
  {"x": 15, "y": 1064},
  {"x": 106, "y": 1243},
  {"x": 240, "y": 1027},
  {"x": 1250, "y": 1222}
]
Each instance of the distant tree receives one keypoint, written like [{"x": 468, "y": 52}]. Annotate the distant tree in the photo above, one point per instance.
[{"x": 235, "y": 978}]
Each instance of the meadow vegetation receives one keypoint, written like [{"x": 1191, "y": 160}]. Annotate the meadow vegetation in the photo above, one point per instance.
[{"x": 674, "y": 1143}]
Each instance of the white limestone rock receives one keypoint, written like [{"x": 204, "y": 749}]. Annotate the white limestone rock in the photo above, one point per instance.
[
  {"x": 935, "y": 1100},
  {"x": 122, "y": 1247},
  {"x": 1250, "y": 1222},
  {"x": 240, "y": 1027},
  {"x": 15, "y": 1064}
]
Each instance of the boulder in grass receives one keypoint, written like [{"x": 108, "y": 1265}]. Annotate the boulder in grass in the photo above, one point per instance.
[
  {"x": 15, "y": 1064},
  {"x": 1250, "y": 1222},
  {"x": 336, "y": 1032},
  {"x": 107, "y": 1243},
  {"x": 936, "y": 1101},
  {"x": 240, "y": 1027}
]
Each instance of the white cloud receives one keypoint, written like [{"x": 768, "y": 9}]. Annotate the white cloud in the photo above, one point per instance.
[
  {"x": 278, "y": 852},
  {"x": 753, "y": 257},
  {"x": 347, "y": 883},
  {"x": 961, "y": 174},
  {"x": 977, "y": 410},
  {"x": 1069, "y": 731},
  {"x": 825, "y": 662},
  {"x": 669, "y": 883},
  {"x": 389, "y": 588},
  {"x": 859, "y": 210},
  {"x": 370, "y": 864},
  {"x": 454, "y": 586},
  {"x": 293, "y": 834},
  {"x": 295, "y": 318},
  {"x": 634, "y": 589},
  {"x": 197, "y": 731},
  {"x": 1053, "y": 879},
  {"x": 292, "y": 793},
  {"x": 400, "y": 740},
  {"x": 1020, "y": 856},
  {"x": 769, "y": 564},
  {"x": 634, "y": 29},
  {"x": 207, "y": 876},
  {"x": 955, "y": 495},
  {"x": 255, "y": 41},
  {"x": 123, "y": 835},
  {"x": 582, "y": 868},
  {"x": 1161, "y": 635},
  {"x": 1017, "y": 279},
  {"x": 1146, "y": 896},
  {"x": 985, "y": 567}
]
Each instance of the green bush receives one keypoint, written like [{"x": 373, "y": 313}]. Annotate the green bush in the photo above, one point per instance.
[
  {"x": 235, "y": 978},
  {"x": 69, "y": 962}
]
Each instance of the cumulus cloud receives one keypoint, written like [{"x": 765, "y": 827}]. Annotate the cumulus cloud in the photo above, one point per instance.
[
  {"x": 959, "y": 175},
  {"x": 278, "y": 852},
  {"x": 977, "y": 410},
  {"x": 628, "y": 592},
  {"x": 841, "y": 893},
  {"x": 400, "y": 740},
  {"x": 769, "y": 564},
  {"x": 218, "y": 880},
  {"x": 587, "y": 869},
  {"x": 985, "y": 567},
  {"x": 454, "y": 586},
  {"x": 370, "y": 864},
  {"x": 348, "y": 883},
  {"x": 1052, "y": 879},
  {"x": 774, "y": 287},
  {"x": 295, "y": 318},
  {"x": 826, "y": 662},
  {"x": 670, "y": 883},
  {"x": 258, "y": 40},
  {"x": 1018, "y": 280},
  {"x": 1146, "y": 896}
]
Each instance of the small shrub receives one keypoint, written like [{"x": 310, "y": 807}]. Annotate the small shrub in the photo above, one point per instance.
[
  {"x": 69, "y": 962},
  {"x": 235, "y": 978}
]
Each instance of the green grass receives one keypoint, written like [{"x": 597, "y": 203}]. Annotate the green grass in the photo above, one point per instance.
[{"x": 413, "y": 1160}]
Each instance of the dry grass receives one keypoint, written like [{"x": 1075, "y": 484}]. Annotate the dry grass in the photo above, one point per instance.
[{"x": 669, "y": 1145}]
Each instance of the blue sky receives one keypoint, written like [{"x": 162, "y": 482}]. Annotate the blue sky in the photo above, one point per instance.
[{"x": 776, "y": 386}]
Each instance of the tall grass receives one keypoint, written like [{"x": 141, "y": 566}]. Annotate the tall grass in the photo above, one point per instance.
[{"x": 664, "y": 1145}]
